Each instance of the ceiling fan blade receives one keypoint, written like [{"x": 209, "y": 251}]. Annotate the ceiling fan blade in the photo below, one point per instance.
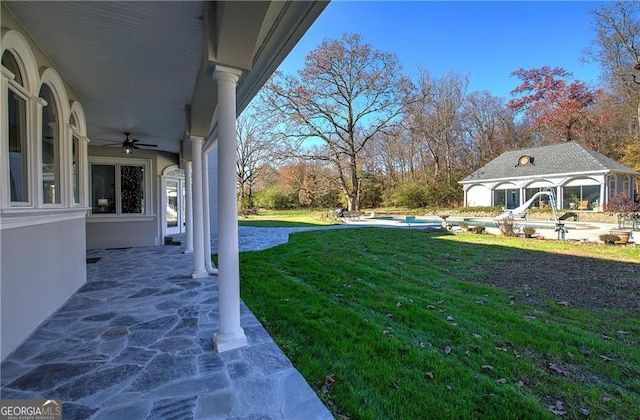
[{"x": 146, "y": 144}]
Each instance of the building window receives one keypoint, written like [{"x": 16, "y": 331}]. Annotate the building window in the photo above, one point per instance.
[
  {"x": 626, "y": 186},
  {"x": 50, "y": 149},
  {"x": 612, "y": 186},
  {"x": 120, "y": 188},
  {"x": 17, "y": 134},
  {"x": 581, "y": 197}
]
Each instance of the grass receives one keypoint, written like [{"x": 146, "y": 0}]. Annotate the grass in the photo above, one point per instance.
[
  {"x": 383, "y": 324},
  {"x": 286, "y": 218}
]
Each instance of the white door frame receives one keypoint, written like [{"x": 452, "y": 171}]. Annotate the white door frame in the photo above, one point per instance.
[{"x": 172, "y": 174}]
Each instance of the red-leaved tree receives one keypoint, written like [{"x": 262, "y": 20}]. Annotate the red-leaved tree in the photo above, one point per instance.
[{"x": 558, "y": 109}]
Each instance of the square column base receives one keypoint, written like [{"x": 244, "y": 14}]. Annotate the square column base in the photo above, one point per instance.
[{"x": 226, "y": 342}]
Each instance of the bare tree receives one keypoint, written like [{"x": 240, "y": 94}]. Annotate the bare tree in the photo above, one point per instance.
[
  {"x": 617, "y": 46},
  {"x": 346, "y": 94},
  {"x": 433, "y": 119},
  {"x": 255, "y": 149}
]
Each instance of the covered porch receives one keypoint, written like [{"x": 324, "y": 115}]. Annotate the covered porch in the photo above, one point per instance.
[{"x": 136, "y": 341}]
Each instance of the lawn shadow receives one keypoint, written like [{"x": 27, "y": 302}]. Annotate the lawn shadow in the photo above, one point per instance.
[{"x": 536, "y": 276}]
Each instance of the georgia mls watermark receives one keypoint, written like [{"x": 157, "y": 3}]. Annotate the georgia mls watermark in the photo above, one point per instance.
[{"x": 30, "y": 410}]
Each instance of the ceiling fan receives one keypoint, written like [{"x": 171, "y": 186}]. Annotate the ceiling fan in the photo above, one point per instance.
[{"x": 129, "y": 145}]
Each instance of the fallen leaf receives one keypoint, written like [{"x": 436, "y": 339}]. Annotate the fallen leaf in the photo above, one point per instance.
[
  {"x": 398, "y": 304},
  {"x": 385, "y": 332},
  {"x": 440, "y": 302},
  {"x": 487, "y": 367},
  {"x": 467, "y": 353},
  {"x": 520, "y": 383},
  {"x": 605, "y": 358},
  {"x": 585, "y": 351},
  {"x": 501, "y": 381},
  {"x": 605, "y": 398},
  {"x": 449, "y": 388},
  {"x": 480, "y": 302},
  {"x": 477, "y": 335},
  {"x": 563, "y": 303},
  {"x": 431, "y": 307},
  {"x": 584, "y": 411},
  {"x": 441, "y": 310},
  {"x": 429, "y": 375},
  {"x": 447, "y": 349},
  {"x": 389, "y": 315},
  {"x": 395, "y": 385},
  {"x": 327, "y": 382},
  {"x": 529, "y": 318},
  {"x": 339, "y": 295},
  {"x": 559, "y": 369},
  {"x": 449, "y": 318},
  {"x": 606, "y": 337}
]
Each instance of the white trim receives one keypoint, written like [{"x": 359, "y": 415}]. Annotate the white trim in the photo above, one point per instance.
[
  {"x": 533, "y": 178},
  {"x": 101, "y": 218},
  {"x": 17, "y": 218}
]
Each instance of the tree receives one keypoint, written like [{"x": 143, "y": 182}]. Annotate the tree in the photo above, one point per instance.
[
  {"x": 346, "y": 94},
  {"x": 617, "y": 46},
  {"x": 255, "y": 149},
  {"x": 557, "y": 108}
]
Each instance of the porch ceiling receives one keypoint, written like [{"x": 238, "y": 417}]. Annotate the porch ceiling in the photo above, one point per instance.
[{"x": 145, "y": 67}]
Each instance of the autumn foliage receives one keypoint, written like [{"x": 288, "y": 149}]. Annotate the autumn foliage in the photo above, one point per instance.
[{"x": 553, "y": 104}]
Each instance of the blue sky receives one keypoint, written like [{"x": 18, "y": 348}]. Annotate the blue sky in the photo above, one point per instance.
[{"x": 485, "y": 39}]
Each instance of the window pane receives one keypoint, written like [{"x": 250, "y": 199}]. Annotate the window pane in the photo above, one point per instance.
[
  {"x": 9, "y": 61},
  {"x": 591, "y": 195},
  {"x": 18, "y": 159},
  {"x": 513, "y": 198},
  {"x": 103, "y": 189},
  {"x": 75, "y": 152},
  {"x": 132, "y": 188},
  {"x": 571, "y": 198},
  {"x": 50, "y": 149},
  {"x": 499, "y": 198}
]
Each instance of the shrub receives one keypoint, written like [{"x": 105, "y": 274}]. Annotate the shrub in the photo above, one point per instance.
[
  {"x": 478, "y": 230},
  {"x": 622, "y": 204},
  {"x": 609, "y": 239},
  {"x": 277, "y": 199},
  {"x": 506, "y": 226},
  {"x": 529, "y": 231}
]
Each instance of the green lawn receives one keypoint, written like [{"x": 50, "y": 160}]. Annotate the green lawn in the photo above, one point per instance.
[
  {"x": 286, "y": 218},
  {"x": 389, "y": 323}
]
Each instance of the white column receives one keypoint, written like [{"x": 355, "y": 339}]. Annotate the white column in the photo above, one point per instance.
[
  {"x": 230, "y": 335},
  {"x": 199, "y": 269},
  {"x": 188, "y": 211},
  {"x": 205, "y": 216}
]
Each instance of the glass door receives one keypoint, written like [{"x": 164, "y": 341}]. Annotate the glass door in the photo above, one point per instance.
[{"x": 175, "y": 204}]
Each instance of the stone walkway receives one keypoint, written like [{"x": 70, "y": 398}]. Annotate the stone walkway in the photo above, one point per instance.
[{"x": 135, "y": 342}]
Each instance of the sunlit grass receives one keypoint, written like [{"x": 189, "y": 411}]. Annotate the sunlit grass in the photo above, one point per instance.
[
  {"x": 286, "y": 218},
  {"x": 383, "y": 325}
]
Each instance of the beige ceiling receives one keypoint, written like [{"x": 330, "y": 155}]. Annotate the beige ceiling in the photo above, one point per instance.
[{"x": 145, "y": 67}]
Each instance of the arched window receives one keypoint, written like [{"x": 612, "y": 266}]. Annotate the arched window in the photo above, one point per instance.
[
  {"x": 75, "y": 159},
  {"x": 51, "y": 184},
  {"x": 17, "y": 132}
]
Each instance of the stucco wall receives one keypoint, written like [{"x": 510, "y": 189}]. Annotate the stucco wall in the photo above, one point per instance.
[
  {"x": 478, "y": 195},
  {"x": 41, "y": 266}
]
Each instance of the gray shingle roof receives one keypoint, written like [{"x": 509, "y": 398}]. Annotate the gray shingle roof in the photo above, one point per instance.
[{"x": 565, "y": 158}]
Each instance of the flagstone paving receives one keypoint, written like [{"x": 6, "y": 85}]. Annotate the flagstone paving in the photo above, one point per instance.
[{"x": 136, "y": 342}]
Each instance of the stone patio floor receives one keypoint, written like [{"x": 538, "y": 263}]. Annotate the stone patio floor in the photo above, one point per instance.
[{"x": 136, "y": 342}]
